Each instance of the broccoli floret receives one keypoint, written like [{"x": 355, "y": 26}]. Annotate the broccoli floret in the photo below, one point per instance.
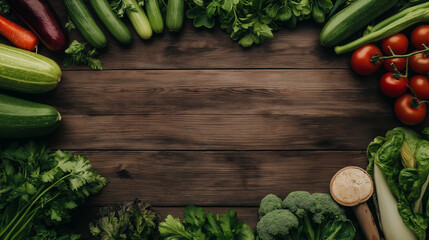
[
  {"x": 303, "y": 205},
  {"x": 268, "y": 204},
  {"x": 327, "y": 209},
  {"x": 278, "y": 224},
  {"x": 303, "y": 216}
]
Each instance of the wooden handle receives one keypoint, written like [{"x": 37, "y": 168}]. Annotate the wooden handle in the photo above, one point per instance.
[{"x": 366, "y": 221}]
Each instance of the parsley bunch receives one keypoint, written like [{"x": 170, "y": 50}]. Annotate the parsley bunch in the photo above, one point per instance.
[
  {"x": 40, "y": 187},
  {"x": 77, "y": 53},
  {"x": 133, "y": 221},
  {"x": 199, "y": 224},
  {"x": 253, "y": 21}
]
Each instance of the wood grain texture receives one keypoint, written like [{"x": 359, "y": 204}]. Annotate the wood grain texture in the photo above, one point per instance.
[
  {"x": 294, "y": 92},
  {"x": 220, "y": 132},
  {"x": 214, "y": 178}
]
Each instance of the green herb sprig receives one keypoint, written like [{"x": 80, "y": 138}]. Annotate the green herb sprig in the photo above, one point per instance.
[
  {"x": 40, "y": 187},
  {"x": 77, "y": 53},
  {"x": 199, "y": 224}
]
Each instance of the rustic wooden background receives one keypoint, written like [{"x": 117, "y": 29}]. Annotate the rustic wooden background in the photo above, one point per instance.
[{"x": 193, "y": 118}]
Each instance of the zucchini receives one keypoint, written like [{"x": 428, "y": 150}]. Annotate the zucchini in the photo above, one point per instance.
[
  {"x": 85, "y": 24},
  {"x": 154, "y": 15},
  {"x": 175, "y": 14},
  {"x": 27, "y": 72},
  {"x": 20, "y": 118},
  {"x": 389, "y": 27},
  {"x": 351, "y": 19},
  {"x": 139, "y": 19},
  {"x": 115, "y": 26}
]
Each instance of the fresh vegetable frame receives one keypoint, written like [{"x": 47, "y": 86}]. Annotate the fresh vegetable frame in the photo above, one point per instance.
[{"x": 39, "y": 188}]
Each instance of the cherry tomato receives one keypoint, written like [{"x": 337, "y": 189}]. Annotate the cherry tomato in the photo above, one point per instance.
[
  {"x": 391, "y": 86},
  {"x": 420, "y": 36},
  {"x": 361, "y": 60},
  {"x": 419, "y": 63},
  {"x": 420, "y": 85},
  {"x": 400, "y": 64},
  {"x": 408, "y": 111},
  {"x": 398, "y": 43}
]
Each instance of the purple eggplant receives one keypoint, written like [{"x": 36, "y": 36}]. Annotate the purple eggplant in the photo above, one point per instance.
[{"x": 42, "y": 20}]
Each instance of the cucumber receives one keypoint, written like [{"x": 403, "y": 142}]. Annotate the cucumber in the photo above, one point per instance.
[
  {"x": 20, "y": 118},
  {"x": 139, "y": 20},
  {"x": 175, "y": 14},
  {"x": 27, "y": 72},
  {"x": 115, "y": 26},
  {"x": 351, "y": 19},
  {"x": 85, "y": 24},
  {"x": 154, "y": 14}
]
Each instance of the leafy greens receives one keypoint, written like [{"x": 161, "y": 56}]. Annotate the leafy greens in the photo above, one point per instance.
[
  {"x": 40, "y": 188},
  {"x": 253, "y": 21},
  {"x": 134, "y": 221},
  {"x": 77, "y": 53},
  {"x": 202, "y": 225},
  {"x": 403, "y": 158}
]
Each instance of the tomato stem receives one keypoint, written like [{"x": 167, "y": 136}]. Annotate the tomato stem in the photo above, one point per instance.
[
  {"x": 396, "y": 73},
  {"x": 377, "y": 57}
]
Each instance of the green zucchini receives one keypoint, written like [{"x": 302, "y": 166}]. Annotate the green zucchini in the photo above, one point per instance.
[
  {"x": 175, "y": 14},
  {"x": 351, "y": 19},
  {"x": 139, "y": 19},
  {"x": 20, "y": 118},
  {"x": 154, "y": 14},
  {"x": 85, "y": 24},
  {"x": 27, "y": 72},
  {"x": 115, "y": 26}
]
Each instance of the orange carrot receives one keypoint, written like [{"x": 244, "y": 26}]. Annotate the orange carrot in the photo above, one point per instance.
[{"x": 18, "y": 35}]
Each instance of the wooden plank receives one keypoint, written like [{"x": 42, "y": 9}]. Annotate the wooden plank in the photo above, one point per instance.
[
  {"x": 202, "y": 48},
  {"x": 220, "y": 132},
  {"x": 214, "y": 178},
  {"x": 307, "y": 92}
]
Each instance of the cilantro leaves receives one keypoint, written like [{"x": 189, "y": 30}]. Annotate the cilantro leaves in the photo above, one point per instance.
[
  {"x": 77, "y": 53},
  {"x": 199, "y": 224},
  {"x": 39, "y": 188},
  {"x": 253, "y": 21}
]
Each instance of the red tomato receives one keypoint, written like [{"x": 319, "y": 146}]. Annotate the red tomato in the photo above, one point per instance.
[
  {"x": 420, "y": 85},
  {"x": 398, "y": 43},
  {"x": 400, "y": 64},
  {"x": 361, "y": 60},
  {"x": 391, "y": 86},
  {"x": 408, "y": 111},
  {"x": 419, "y": 63},
  {"x": 420, "y": 36}
]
